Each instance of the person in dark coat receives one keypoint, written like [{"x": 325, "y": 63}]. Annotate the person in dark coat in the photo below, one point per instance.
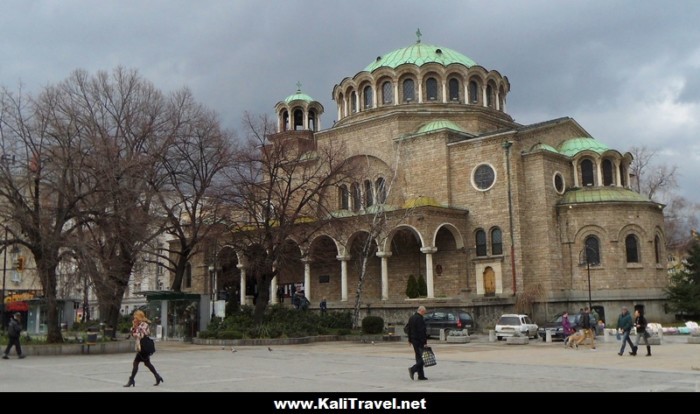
[
  {"x": 640, "y": 322},
  {"x": 14, "y": 329},
  {"x": 418, "y": 337}
]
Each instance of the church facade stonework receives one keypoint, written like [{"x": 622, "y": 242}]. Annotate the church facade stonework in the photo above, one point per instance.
[{"x": 495, "y": 216}]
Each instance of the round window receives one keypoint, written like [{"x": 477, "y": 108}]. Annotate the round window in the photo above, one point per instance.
[
  {"x": 484, "y": 177},
  {"x": 558, "y": 182}
]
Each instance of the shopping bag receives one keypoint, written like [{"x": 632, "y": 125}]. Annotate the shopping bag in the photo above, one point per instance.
[{"x": 428, "y": 357}]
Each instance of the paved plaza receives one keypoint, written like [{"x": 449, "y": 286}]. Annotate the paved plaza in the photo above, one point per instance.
[{"x": 480, "y": 366}]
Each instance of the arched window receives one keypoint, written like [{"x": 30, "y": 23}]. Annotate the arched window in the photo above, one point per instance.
[
  {"x": 312, "y": 120},
  {"x": 409, "y": 94},
  {"x": 657, "y": 247},
  {"x": 298, "y": 120},
  {"x": 608, "y": 178},
  {"x": 431, "y": 89},
  {"x": 496, "y": 241},
  {"x": 387, "y": 93},
  {"x": 356, "y": 197},
  {"x": 369, "y": 199},
  {"x": 623, "y": 175},
  {"x": 592, "y": 250},
  {"x": 367, "y": 92},
  {"x": 285, "y": 120},
  {"x": 473, "y": 92},
  {"x": 454, "y": 89},
  {"x": 632, "y": 248},
  {"x": 489, "y": 96},
  {"x": 480, "y": 242},
  {"x": 353, "y": 102},
  {"x": 381, "y": 190},
  {"x": 587, "y": 172},
  {"x": 344, "y": 196}
]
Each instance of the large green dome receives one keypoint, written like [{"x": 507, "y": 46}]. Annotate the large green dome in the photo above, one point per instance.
[{"x": 419, "y": 54}]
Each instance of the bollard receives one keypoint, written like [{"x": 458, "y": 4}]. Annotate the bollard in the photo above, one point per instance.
[
  {"x": 442, "y": 335},
  {"x": 492, "y": 336},
  {"x": 548, "y": 335}
]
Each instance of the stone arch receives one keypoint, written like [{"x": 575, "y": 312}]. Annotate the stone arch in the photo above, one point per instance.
[
  {"x": 403, "y": 243},
  {"x": 361, "y": 246},
  {"x": 325, "y": 268},
  {"x": 449, "y": 258},
  {"x": 228, "y": 274}
]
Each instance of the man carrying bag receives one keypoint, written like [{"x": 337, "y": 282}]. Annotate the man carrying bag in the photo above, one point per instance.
[{"x": 418, "y": 337}]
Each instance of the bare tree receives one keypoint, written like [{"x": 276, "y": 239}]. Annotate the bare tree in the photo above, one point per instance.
[
  {"x": 91, "y": 167},
  {"x": 188, "y": 183},
  {"x": 277, "y": 188},
  {"x": 42, "y": 189},
  {"x": 659, "y": 183}
]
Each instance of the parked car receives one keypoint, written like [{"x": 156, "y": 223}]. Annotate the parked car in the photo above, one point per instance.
[
  {"x": 555, "y": 328},
  {"x": 511, "y": 324},
  {"x": 449, "y": 320}
]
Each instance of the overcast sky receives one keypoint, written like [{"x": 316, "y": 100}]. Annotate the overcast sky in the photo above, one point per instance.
[{"x": 627, "y": 71}]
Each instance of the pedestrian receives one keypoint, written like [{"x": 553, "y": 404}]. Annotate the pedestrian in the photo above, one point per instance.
[
  {"x": 139, "y": 329},
  {"x": 323, "y": 306},
  {"x": 624, "y": 326},
  {"x": 280, "y": 294},
  {"x": 14, "y": 329},
  {"x": 640, "y": 322},
  {"x": 566, "y": 327},
  {"x": 418, "y": 338},
  {"x": 588, "y": 328}
]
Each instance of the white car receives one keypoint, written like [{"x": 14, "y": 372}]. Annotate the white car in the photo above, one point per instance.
[{"x": 510, "y": 323}]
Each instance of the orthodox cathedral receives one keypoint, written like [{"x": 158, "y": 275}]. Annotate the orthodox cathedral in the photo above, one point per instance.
[{"x": 491, "y": 215}]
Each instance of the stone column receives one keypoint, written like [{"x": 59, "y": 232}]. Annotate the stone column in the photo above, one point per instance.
[
  {"x": 307, "y": 279},
  {"x": 273, "y": 290},
  {"x": 385, "y": 274},
  {"x": 343, "y": 277},
  {"x": 429, "y": 280},
  {"x": 242, "y": 289}
]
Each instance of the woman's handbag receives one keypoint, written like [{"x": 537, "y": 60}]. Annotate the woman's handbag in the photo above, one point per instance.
[
  {"x": 148, "y": 347},
  {"x": 428, "y": 357}
]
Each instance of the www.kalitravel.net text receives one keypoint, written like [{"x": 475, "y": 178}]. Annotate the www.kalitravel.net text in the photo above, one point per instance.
[{"x": 349, "y": 403}]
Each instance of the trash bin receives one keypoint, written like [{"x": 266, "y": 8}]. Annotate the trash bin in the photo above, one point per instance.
[{"x": 91, "y": 338}]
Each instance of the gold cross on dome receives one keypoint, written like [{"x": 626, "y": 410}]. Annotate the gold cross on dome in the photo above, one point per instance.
[{"x": 418, "y": 35}]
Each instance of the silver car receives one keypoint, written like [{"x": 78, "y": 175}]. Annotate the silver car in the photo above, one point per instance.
[{"x": 511, "y": 324}]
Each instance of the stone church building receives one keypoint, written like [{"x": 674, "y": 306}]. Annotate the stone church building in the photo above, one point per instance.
[{"x": 493, "y": 215}]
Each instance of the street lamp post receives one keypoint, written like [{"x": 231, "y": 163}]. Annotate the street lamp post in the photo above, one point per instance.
[
  {"x": 4, "y": 274},
  {"x": 212, "y": 280},
  {"x": 584, "y": 253}
]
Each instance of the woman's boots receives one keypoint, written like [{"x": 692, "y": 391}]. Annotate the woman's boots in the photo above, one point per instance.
[
  {"x": 131, "y": 382},
  {"x": 159, "y": 379},
  {"x": 648, "y": 350}
]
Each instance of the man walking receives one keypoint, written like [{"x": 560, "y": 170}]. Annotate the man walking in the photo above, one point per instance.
[
  {"x": 624, "y": 323},
  {"x": 418, "y": 337},
  {"x": 588, "y": 328},
  {"x": 14, "y": 328}
]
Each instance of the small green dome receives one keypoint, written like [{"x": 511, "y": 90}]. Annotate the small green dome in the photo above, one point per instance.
[
  {"x": 573, "y": 146},
  {"x": 298, "y": 96},
  {"x": 421, "y": 201},
  {"x": 543, "y": 147},
  {"x": 419, "y": 54},
  {"x": 439, "y": 124},
  {"x": 602, "y": 194}
]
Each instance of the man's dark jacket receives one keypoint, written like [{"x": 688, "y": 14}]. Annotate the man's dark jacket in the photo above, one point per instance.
[{"x": 416, "y": 330}]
